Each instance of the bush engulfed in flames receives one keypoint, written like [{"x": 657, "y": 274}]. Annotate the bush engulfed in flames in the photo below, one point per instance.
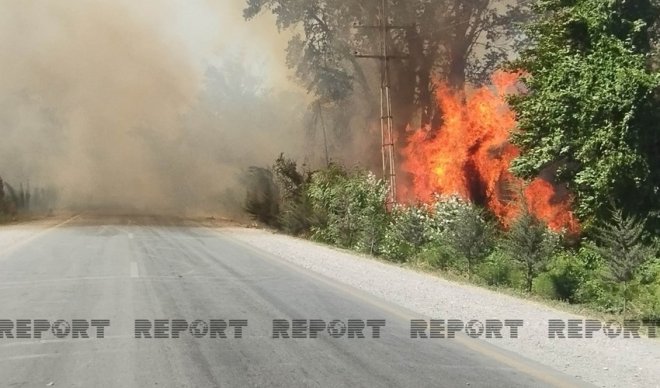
[{"x": 470, "y": 155}]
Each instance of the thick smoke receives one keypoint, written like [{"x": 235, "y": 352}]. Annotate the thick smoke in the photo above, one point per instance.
[{"x": 116, "y": 103}]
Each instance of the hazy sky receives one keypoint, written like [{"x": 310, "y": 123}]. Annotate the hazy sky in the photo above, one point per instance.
[
  {"x": 258, "y": 38},
  {"x": 98, "y": 97}
]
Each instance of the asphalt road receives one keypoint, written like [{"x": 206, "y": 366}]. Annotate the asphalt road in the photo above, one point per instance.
[{"x": 123, "y": 269}]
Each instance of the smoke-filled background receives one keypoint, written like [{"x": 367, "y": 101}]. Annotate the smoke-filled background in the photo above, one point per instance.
[
  {"x": 157, "y": 106},
  {"x": 147, "y": 106}
]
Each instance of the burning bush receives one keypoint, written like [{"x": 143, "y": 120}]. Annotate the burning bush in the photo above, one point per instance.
[{"x": 469, "y": 155}]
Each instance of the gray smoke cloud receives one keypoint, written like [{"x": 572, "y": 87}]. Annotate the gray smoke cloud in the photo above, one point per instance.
[{"x": 149, "y": 105}]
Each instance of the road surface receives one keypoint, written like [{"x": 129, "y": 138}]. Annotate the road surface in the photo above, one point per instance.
[{"x": 111, "y": 271}]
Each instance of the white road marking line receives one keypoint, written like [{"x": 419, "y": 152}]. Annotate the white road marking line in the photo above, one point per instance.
[
  {"x": 42, "y": 342},
  {"x": 22, "y": 242},
  {"x": 134, "y": 270},
  {"x": 94, "y": 352}
]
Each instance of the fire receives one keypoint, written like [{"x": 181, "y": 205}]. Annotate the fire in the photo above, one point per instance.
[{"x": 470, "y": 155}]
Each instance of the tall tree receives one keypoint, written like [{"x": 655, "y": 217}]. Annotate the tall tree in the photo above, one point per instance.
[
  {"x": 590, "y": 110},
  {"x": 451, "y": 39}
]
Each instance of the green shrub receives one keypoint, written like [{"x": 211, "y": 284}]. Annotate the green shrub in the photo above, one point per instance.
[
  {"x": 599, "y": 294},
  {"x": 470, "y": 235},
  {"x": 567, "y": 272},
  {"x": 499, "y": 270},
  {"x": 408, "y": 230},
  {"x": 544, "y": 286},
  {"x": 593, "y": 290},
  {"x": 439, "y": 235},
  {"x": 350, "y": 208},
  {"x": 436, "y": 256},
  {"x": 646, "y": 303},
  {"x": 577, "y": 277}
]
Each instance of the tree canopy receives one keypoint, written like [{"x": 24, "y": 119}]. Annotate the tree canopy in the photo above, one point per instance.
[
  {"x": 590, "y": 111},
  {"x": 456, "y": 40}
]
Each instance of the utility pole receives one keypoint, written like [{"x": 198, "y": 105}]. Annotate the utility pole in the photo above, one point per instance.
[
  {"x": 386, "y": 118},
  {"x": 325, "y": 135}
]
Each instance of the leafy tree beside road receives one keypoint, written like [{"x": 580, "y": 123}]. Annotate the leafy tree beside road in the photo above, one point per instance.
[{"x": 590, "y": 113}]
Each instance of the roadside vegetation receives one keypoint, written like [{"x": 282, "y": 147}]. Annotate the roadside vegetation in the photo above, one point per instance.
[
  {"x": 19, "y": 202},
  {"x": 615, "y": 270},
  {"x": 587, "y": 117}
]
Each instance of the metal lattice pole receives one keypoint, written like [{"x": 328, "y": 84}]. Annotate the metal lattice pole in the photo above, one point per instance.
[{"x": 386, "y": 116}]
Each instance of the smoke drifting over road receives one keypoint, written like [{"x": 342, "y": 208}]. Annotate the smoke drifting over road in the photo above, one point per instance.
[{"x": 113, "y": 102}]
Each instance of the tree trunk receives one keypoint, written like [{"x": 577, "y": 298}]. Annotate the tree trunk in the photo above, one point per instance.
[
  {"x": 457, "y": 68},
  {"x": 625, "y": 298}
]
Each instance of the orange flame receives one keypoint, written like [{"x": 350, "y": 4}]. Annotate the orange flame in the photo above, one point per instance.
[{"x": 470, "y": 155}]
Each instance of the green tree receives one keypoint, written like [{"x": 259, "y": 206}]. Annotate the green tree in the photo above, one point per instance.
[
  {"x": 621, "y": 244},
  {"x": 530, "y": 243},
  {"x": 470, "y": 235},
  {"x": 449, "y": 39},
  {"x": 590, "y": 111}
]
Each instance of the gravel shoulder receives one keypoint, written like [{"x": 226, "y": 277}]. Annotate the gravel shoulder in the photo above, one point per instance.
[{"x": 602, "y": 361}]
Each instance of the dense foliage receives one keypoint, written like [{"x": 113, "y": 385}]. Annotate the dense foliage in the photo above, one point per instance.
[{"x": 591, "y": 110}]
